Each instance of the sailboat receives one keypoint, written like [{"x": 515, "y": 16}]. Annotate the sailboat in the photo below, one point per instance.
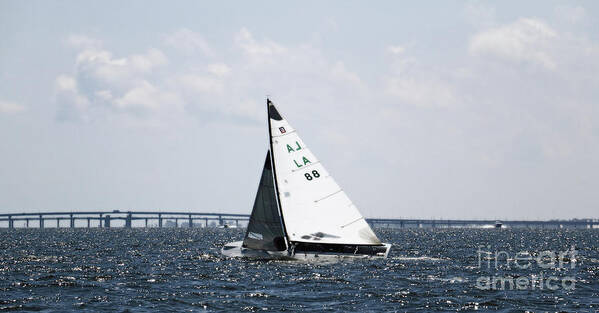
[{"x": 300, "y": 212}]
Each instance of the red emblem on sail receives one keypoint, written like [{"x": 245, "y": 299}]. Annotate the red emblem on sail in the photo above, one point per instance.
[{"x": 282, "y": 129}]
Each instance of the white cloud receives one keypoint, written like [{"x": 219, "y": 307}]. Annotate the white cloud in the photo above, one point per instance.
[
  {"x": 66, "y": 83},
  {"x": 422, "y": 91},
  {"x": 396, "y": 49},
  {"x": 250, "y": 46},
  {"x": 95, "y": 66},
  {"x": 411, "y": 83},
  {"x": 340, "y": 72},
  {"x": 101, "y": 65},
  {"x": 105, "y": 95},
  {"x": 550, "y": 111},
  {"x": 82, "y": 41},
  {"x": 146, "y": 98},
  {"x": 525, "y": 40},
  {"x": 10, "y": 107},
  {"x": 103, "y": 84},
  {"x": 417, "y": 123},
  {"x": 201, "y": 84},
  {"x": 219, "y": 69},
  {"x": 300, "y": 72},
  {"x": 72, "y": 104},
  {"x": 146, "y": 62},
  {"x": 189, "y": 42}
]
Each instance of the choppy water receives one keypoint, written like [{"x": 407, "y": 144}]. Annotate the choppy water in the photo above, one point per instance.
[{"x": 141, "y": 270}]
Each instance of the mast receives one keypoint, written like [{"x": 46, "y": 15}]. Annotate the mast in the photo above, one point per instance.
[{"x": 274, "y": 171}]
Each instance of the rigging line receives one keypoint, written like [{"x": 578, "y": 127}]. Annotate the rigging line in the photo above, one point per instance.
[
  {"x": 305, "y": 166},
  {"x": 361, "y": 218},
  {"x": 336, "y": 192}
]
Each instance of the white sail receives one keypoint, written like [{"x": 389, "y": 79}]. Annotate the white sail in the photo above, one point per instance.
[{"x": 314, "y": 208}]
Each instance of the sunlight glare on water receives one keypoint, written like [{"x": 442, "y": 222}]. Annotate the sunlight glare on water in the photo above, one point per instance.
[{"x": 142, "y": 270}]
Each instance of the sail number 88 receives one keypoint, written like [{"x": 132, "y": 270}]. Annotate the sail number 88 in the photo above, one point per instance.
[{"x": 315, "y": 174}]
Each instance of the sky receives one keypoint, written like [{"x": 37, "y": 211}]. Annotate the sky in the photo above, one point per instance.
[{"x": 421, "y": 109}]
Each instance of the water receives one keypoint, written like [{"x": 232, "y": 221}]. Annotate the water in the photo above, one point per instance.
[{"x": 142, "y": 270}]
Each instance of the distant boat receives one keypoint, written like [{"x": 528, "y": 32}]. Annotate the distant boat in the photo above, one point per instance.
[
  {"x": 300, "y": 212},
  {"x": 498, "y": 224}
]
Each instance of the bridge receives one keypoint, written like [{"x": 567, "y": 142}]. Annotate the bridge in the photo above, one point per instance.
[
  {"x": 104, "y": 219},
  {"x": 449, "y": 223}
]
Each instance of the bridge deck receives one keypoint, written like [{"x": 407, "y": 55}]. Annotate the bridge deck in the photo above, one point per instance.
[{"x": 104, "y": 219}]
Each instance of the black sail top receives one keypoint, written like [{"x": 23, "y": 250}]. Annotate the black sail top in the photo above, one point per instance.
[{"x": 265, "y": 231}]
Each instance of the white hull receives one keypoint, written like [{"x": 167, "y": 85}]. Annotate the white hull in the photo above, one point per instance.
[{"x": 235, "y": 250}]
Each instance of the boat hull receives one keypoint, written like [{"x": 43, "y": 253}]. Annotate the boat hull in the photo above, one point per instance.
[{"x": 236, "y": 250}]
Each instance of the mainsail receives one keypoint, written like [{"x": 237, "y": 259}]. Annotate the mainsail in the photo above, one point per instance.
[
  {"x": 265, "y": 231},
  {"x": 314, "y": 208}
]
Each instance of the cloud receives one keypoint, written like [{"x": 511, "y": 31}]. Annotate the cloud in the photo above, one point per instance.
[
  {"x": 525, "y": 41},
  {"x": 72, "y": 105},
  {"x": 304, "y": 61},
  {"x": 416, "y": 123},
  {"x": 66, "y": 83},
  {"x": 411, "y": 83},
  {"x": 340, "y": 72},
  {"x": 103, "y": 84},
  {"x": 146, "y": 62},
  {"x": 219, "y": 69},
  {"x": 189, "y": 42},
  {"x": 422, "y": 91},
  {"x": 82, "y": 41},
  {"x": 146, "y": 97},
  {"x": 154, "y": 84},
  {"x": 250, "y": 46},
  {"x": 140, "y": 85},
  {"x": 9, "y": 107},
  {"x": 536, "y": 106},
  {"x": 543, "y": 92},
  {"x": 101, "y": 65},
  {"x": 396, "y": 49},
  {"x": 263, "y": 66},
  {"x": 201, "y": 83}
]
